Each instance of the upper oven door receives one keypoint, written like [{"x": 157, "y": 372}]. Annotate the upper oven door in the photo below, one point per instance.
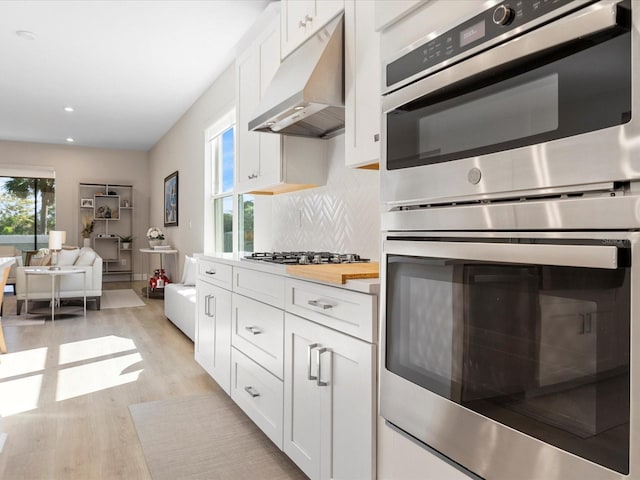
[{"x": 547, "y": 110}]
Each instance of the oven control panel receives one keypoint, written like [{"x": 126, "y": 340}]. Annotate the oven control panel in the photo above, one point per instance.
[{"x": 468, "y": 36}]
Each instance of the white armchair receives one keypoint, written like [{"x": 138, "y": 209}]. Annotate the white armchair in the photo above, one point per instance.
[{"x": 71, "y": 286}]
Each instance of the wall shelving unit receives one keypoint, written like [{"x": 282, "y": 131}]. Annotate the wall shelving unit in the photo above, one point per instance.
[{"x": 112, "y": 211}]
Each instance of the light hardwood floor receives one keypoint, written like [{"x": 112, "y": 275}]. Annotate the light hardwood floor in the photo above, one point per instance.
[{"x": 65, "y": 389}]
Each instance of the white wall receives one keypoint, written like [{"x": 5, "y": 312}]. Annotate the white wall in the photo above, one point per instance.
[
  {"x": 73, "y": 165},
  {"x": 182, "y": 149}
]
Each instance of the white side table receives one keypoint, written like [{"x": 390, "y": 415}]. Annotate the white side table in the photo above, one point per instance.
[
  {"x": 55, "y": 275},
  {"x": 162, "y": 252}
]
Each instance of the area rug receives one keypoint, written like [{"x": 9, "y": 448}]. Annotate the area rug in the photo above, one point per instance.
[
  {"x": 206, "y": 437},
  {"x": 124, "y": 298}
]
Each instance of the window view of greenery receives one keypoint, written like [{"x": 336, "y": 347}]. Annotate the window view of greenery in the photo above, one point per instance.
[
  {"x": 223, "y": 156},
  {"x": 27, "y": 211},
  {"x": 245, "y": 222}
]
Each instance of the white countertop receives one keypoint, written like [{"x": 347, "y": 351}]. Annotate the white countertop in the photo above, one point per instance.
[{"x": 369, "y": 286}]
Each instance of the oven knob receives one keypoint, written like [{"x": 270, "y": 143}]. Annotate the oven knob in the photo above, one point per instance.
[
  {"x": 503, "y": 15},
  {"x": 474, "y": 175}
]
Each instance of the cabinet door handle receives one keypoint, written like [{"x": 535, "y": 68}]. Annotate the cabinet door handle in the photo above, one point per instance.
[
  {"x": 316, "y": 303},
  {"x": 308, "y": 19},
  {"x": 212, "y": 313},
  {"x": 206, "y": 305},
  {"x": 251, "y": 391},
  {"x": 309, "y": 349},
  {"x": 302, "y": 24},
  {"x": 319, "y": 353},
  {"x": 252, "y": 176},
  {"x": 210, "y": 272},
  {"x": 254, "y": 330}
]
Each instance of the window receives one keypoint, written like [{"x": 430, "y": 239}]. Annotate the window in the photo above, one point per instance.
[
  {"x": 27, "y": 211},
  {"x": 229, "y": 212}
]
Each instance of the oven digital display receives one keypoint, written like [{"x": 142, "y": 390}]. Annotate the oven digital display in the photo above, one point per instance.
[{"x": 473, "y": 33}]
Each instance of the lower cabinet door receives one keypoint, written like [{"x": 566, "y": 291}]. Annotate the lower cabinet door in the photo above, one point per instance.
[
  {"x": 258, "y": 393},
  {"x": 213, "y": 332},
  {"x": 302, "y": 397},
  {"x": 329, "y": 401}
]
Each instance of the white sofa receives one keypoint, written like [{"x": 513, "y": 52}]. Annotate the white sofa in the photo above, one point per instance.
[
  {"x": 70, "y": 286},
  {"x": 180, "y": 300}
]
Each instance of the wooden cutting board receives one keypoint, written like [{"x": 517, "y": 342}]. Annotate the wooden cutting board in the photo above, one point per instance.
[{"x": 335, "y": 273}]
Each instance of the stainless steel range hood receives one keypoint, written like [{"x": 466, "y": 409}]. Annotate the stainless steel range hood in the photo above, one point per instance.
[{"x": 306, "y": 95}]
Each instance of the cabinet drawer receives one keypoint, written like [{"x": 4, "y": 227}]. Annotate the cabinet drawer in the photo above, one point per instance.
[
  {"x": 259, "y": 394},
  {"x": 265, "y": 287},
  {"x": 214, "y": 272},
  {"x": 258, "y": 331},
  {"x": 343, "y": 310}
]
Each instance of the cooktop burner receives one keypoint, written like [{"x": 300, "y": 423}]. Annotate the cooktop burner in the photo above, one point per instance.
[{"x": 304, "y": 258}]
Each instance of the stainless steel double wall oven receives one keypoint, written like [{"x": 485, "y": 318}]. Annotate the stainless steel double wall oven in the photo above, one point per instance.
[{"x": 511, "y": 240}]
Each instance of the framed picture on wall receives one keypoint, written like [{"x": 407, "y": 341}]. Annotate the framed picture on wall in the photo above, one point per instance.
[
  {"x": 86, "y": 202},
  {"x": 171, "y": 200}
]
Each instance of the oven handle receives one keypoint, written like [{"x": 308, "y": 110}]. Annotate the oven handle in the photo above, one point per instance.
[
  {"x": 585, "y": 22},
  {"x": 588, "y": 256}
]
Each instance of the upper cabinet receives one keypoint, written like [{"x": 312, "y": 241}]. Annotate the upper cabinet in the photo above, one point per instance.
[
  {"x": 268, "y": 163},
  {"x": 302, "y": 18},
  {"x": 362, "y": 84}
]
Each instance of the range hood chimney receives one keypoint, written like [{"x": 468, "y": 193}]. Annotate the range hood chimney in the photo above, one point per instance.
[{"x": 306, "y": 96}]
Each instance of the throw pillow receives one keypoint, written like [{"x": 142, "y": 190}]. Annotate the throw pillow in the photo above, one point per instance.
[
  {"x": 86, "y": 258},
  {"x": 190, "y": 270},
  {"x": 67, "y": 258}
]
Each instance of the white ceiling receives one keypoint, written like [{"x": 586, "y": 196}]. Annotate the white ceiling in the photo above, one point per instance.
[{"x": 129, "y": 68}]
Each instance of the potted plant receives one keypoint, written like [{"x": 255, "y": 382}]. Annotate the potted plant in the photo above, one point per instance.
[
  {"x": 87, "y": 229},
  {"x": 125, "y": 241}
]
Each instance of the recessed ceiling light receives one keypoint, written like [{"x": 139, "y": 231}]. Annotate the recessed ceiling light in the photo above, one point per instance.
[
  {"x": 70, "y": 140},
  {"x": 68, "y": 109},
  {"x": 298, "y": 108},
  {"x": 26, "y": 34}
]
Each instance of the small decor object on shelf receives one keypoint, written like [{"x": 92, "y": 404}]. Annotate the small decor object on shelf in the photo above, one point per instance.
[
  {"x": 171, "y": 200},
  {"x": 155, "y": 237}
]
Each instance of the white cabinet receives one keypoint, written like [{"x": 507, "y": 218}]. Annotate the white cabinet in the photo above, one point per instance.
[
  {"x": 302, "y": 18},
  {"x": 257, "y": 330},
  {"x": 267, "y": 162},
  {"x": 389, "y": 11},
  {"x": 362, "y": 85},
  {"x": 329, "y": 401},
  {"x": 213, "y": 330},
  {"x": 257, "y": 319},
  {"x": 258, "y": 394}
]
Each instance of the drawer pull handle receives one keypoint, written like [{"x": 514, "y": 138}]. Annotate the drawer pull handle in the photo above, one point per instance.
[
  {"x": 309, "y": 349},
  {"x": 254, "y": 330},
  {"x": 319, "y": 353},
  {"x": 251, "y": 391},
  {"x": 316, "y": 303},
  {"x": 210, "y": 272}
]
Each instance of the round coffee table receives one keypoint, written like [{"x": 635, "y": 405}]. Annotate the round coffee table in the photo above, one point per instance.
[{"x": 55, "y": 274}]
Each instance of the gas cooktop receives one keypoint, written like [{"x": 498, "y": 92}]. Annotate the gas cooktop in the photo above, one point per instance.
[{"x": 305, "y": 258}]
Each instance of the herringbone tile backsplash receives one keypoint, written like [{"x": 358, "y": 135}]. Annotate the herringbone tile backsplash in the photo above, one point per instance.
[{"x": 342, "y": 216}]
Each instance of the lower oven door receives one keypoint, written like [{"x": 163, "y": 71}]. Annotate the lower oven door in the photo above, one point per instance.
[{"x": 511, "y": 354}]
